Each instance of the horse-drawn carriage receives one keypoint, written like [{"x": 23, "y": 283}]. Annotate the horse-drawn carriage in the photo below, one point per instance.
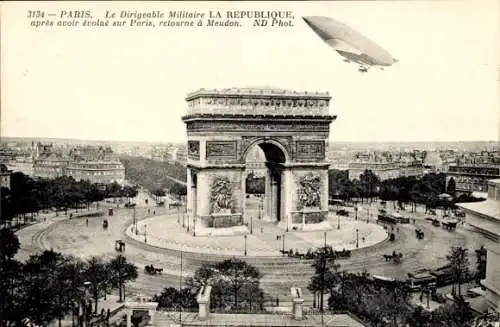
[
  {"x": 151, "y": 270},
  {"x": 174, "y": 205},
  {"x": 105, "y": 224},
  {"x": 449, "y": 225},
  {"x": 394, "y": 257},
  {"x": 119, "y": 246},
  {"x": 419, "y": 233},
  {"x": 311, "y": 254}
]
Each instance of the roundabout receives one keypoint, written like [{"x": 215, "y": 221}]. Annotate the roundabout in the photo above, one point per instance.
[
  {"x": 75, "y": 237},
  {"x": 265, "y": 240}
]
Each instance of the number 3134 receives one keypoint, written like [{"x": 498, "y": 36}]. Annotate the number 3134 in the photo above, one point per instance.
[{"x": 36, "y": 14}]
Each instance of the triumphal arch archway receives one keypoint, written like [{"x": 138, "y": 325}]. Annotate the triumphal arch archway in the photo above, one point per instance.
[{"x": 291, "y": 128}]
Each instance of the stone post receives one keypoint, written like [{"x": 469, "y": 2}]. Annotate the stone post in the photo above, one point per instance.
[
  {"x": 203, "y": 300},
  {"x": 297, "y": 301},
  {"x": 129, "y": 317}
]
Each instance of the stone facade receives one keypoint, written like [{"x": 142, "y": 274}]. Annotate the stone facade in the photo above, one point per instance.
[
  {"x": 290, "y": 127},
  {"x": 484, "y": 217}
]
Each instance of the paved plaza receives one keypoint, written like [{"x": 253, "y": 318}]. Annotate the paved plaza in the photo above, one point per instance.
[
  {"x": 166, "y": 231},
  {"x": 75, "y": 237}
]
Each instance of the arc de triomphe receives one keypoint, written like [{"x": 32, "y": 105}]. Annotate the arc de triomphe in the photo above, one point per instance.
[{"x": 291, "y": 128}]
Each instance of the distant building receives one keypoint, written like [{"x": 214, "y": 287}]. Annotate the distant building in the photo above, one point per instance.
[
  {"x": 484, "y": 217},
  {"x": 50, "y": 167},
  {"x": 5, "y": 176},
  {"x": 383, "y": 170},
  {"x": 472, "y": 178},
  {"x": 96, "y": 164}
]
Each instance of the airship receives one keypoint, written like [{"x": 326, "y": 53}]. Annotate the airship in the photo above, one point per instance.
[{"x": 349, "y": 43}]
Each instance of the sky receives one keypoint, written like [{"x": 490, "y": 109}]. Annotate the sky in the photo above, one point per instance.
[{"x": 129, "y": 84}]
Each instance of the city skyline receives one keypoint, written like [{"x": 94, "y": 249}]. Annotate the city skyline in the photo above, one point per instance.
[{"x": 132, "y": 89}]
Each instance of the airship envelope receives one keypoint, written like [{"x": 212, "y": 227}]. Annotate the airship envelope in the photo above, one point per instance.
[{"x": 349, "y": 43}]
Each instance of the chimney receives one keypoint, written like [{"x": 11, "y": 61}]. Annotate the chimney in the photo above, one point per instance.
[
  {"x": 297, "y": 300},
  {"x": 203, "y": 300}
]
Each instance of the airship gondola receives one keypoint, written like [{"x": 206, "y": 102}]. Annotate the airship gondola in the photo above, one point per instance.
[{"x": 349, "y": 43}]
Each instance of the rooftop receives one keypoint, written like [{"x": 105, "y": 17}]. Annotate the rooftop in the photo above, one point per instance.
[
  {"x": 256, "y": 91},
  {"x": 257, "y": 320}
]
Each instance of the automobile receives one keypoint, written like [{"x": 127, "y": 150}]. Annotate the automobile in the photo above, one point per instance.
[{"x": 343, "y": 212}]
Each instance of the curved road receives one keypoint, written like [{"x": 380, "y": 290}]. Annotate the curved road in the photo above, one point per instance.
[{"x": 279, "y": 274}]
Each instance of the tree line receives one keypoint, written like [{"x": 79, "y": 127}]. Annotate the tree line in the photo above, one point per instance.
[
  {"x": 235, "y": 288},
  {"x": 29, "y": 196},
  {"x": 154, "y": 175},
  {"x": 411, "y": 190},
  {"x": 383, "y": 303},
  {"x": 49, "y": 286}
]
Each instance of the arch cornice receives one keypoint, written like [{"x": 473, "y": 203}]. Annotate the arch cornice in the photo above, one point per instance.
[{"x": 266, "y": 140}]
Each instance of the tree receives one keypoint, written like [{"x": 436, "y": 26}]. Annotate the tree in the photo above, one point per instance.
[
  {"x": 369, "y": 183},
  {"x": 121, "y": 271},
  {"x": 171, "y": 298},
  {"x": 236, "y": 274},
  {"x": 481, "y": 259},
  {"x": 452, "y": 187},
  {"x": 44, "y": 289},
  {"x": 9, "y": 244},
  {"x": 325, "y": 274},
  {"x": 459, "y": 261},
  {"x": 11, "y": 281},
  {"x": 234, "y": 283},
  {"x": 98, "y": 275}
]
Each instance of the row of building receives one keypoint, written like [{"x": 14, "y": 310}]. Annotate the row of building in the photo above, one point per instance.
[{"x": 96, "y": 164}]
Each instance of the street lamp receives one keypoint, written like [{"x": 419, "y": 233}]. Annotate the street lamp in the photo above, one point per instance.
[
  {"x": 135, "y": 222},
  {"x": 357, "y": 238},
  {"x": 283, "y": 238},
  {"x": 356, "y": 212},
  {"x": 188, "y": 222},
  {"x": 183, "y": 221},
  {"x": 367, "y": 214},
  {"x": 338, "y": 222},
  {"x": 145, "y": 238},
  {"x": 86, "y": 301},
  {"x": 251, "y": 224},
  {"x": 245, "y": 236}
]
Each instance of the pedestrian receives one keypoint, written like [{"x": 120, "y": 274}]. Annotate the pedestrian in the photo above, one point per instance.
[
  {"x": 277, "y": 302},
  {"x": 149, "y": 211},
  {"x": 154, "y": 212},
  {"x": 87, "y": 221},
  {"x": 262, "y": 230}
]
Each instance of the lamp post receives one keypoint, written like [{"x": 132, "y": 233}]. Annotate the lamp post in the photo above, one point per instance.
[
  {"x": 367, "y": 214},
  {"x": 338, "y": 222},
  {"x": 194, "y": 226},
  {"x": 245, "y": 236},
  {"x": 86, "y": 304},
  {"x": 283, "y": 238},
  {"x": 183, "y": 221},
  {"x": 251, "y": 224},
  {"x": 145, "y": 237},
  {"x": 357, "y": 238},
  {"x": 325, "y": 240},
  {"x": 135, "y": 222},
  {"x": 427, "y": 291},
  {"x": 356, "y": 212},
  {"x": 188, "y": 221}
]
